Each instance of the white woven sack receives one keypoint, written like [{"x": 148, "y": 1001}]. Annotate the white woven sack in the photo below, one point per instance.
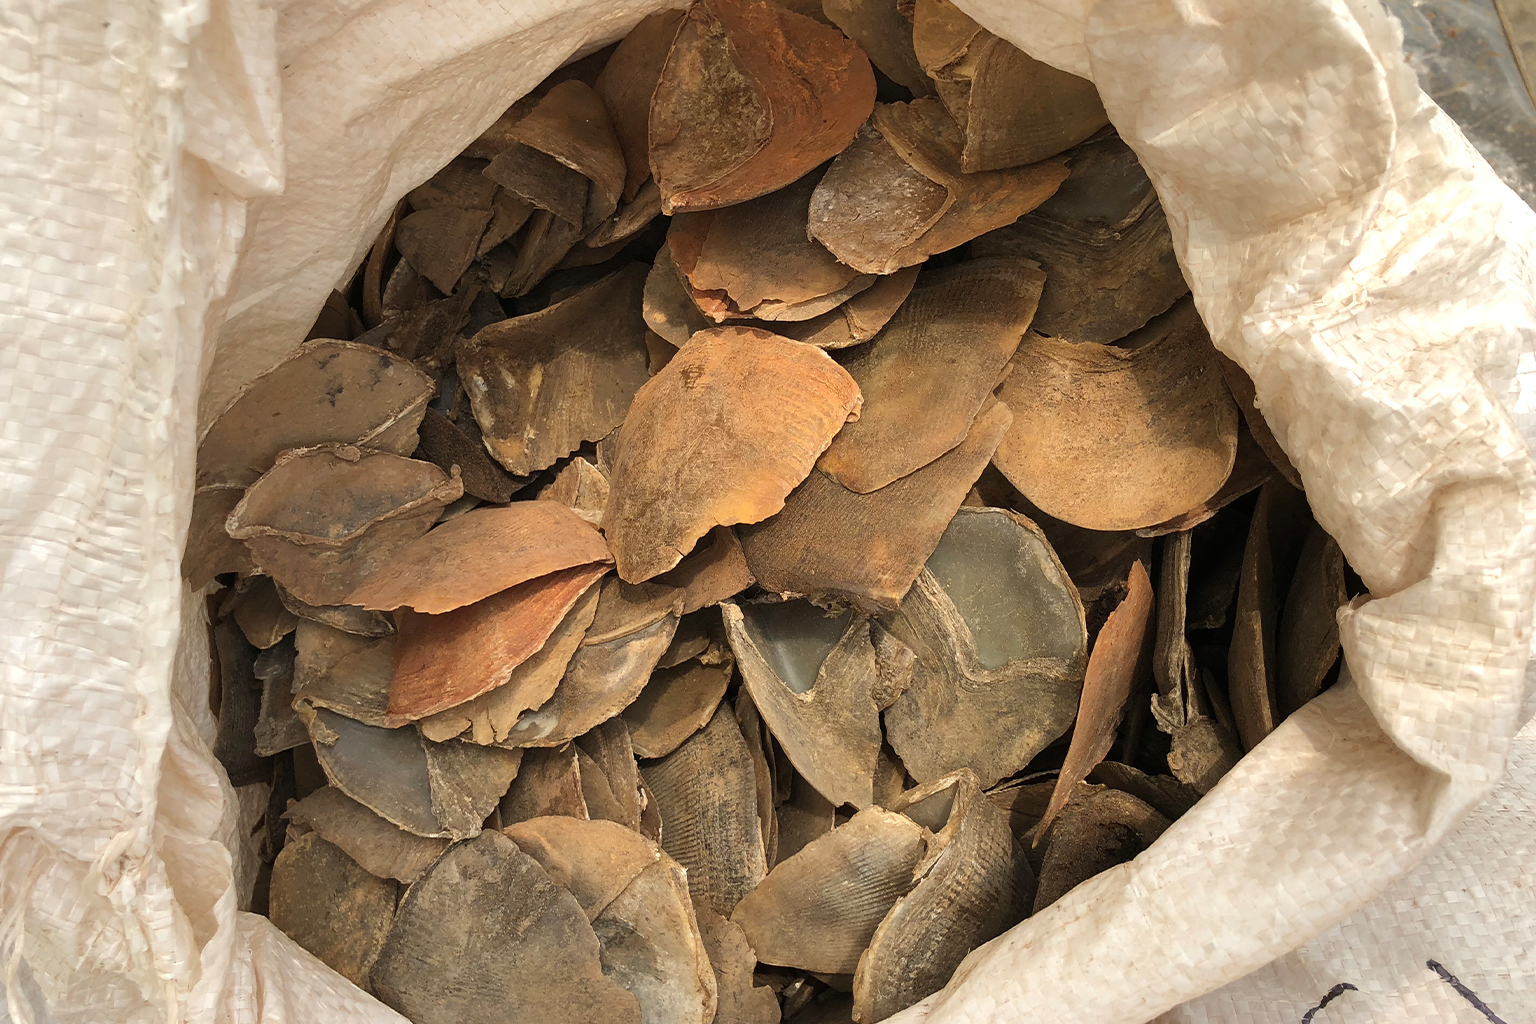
[
  {"x": 1453, "y": 941},
  {"x": 177, "y": 172}
]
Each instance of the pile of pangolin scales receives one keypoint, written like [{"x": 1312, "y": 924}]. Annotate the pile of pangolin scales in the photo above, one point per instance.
[{"x": 762, "y": 521}]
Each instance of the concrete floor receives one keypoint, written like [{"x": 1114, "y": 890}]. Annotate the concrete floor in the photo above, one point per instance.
[{"x": 1463, "y": 53}]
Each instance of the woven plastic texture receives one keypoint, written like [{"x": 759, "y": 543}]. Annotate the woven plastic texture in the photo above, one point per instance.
[
  {"x": 182, "y": 184},
  {"x": 1452, "y": 941}
]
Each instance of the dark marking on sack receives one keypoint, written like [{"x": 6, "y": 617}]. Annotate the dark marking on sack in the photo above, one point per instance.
[
  {"x": 1333, "y": 994},
  {"x": 1462, "y": 990}
]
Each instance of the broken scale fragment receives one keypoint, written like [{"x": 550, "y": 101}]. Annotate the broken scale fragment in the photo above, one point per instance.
[
  {"x": 885, "y": 35},
  {"x": 460, "y": 184},
  {"x": 651, "y": 946},
  {"x": 1109, "y": 827},
  {"x": 260, "y": 614},
  {"x": 593, "y": 860},
  {"x": 715, "y": 570},
  {"x": 344, "y": 672},
  {"x": 1121, "y": 657},
  {"x": 1307, "y": 640},
  {"x": 441, "y": 243},
  {"x": 1203, "y": 748},
  {"x": 210, "y": 550},
  {"x": 278, "y": 727},
  {"x": 446, "y": 442},
  {"x": 740, "y": 1000},
  {"x": 613, "y": 753},
  {"x": 1275, "y": 537},
  {"x": 565, "y": 157},
  {"x": 581, "y": 487},
  {"x": 549, "y": 783}
]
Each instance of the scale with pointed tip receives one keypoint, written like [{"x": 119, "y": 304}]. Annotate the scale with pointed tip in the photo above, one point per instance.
[
  {"x": 428, "y": 789},
  {"x": 814, "y": 678},
  {"x": 484, "y": 935}
]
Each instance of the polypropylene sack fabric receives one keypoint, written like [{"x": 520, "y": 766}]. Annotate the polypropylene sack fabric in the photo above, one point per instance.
[
  {"x": 1453, "y": 941},
  {"x": 178, "y": 173}
]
